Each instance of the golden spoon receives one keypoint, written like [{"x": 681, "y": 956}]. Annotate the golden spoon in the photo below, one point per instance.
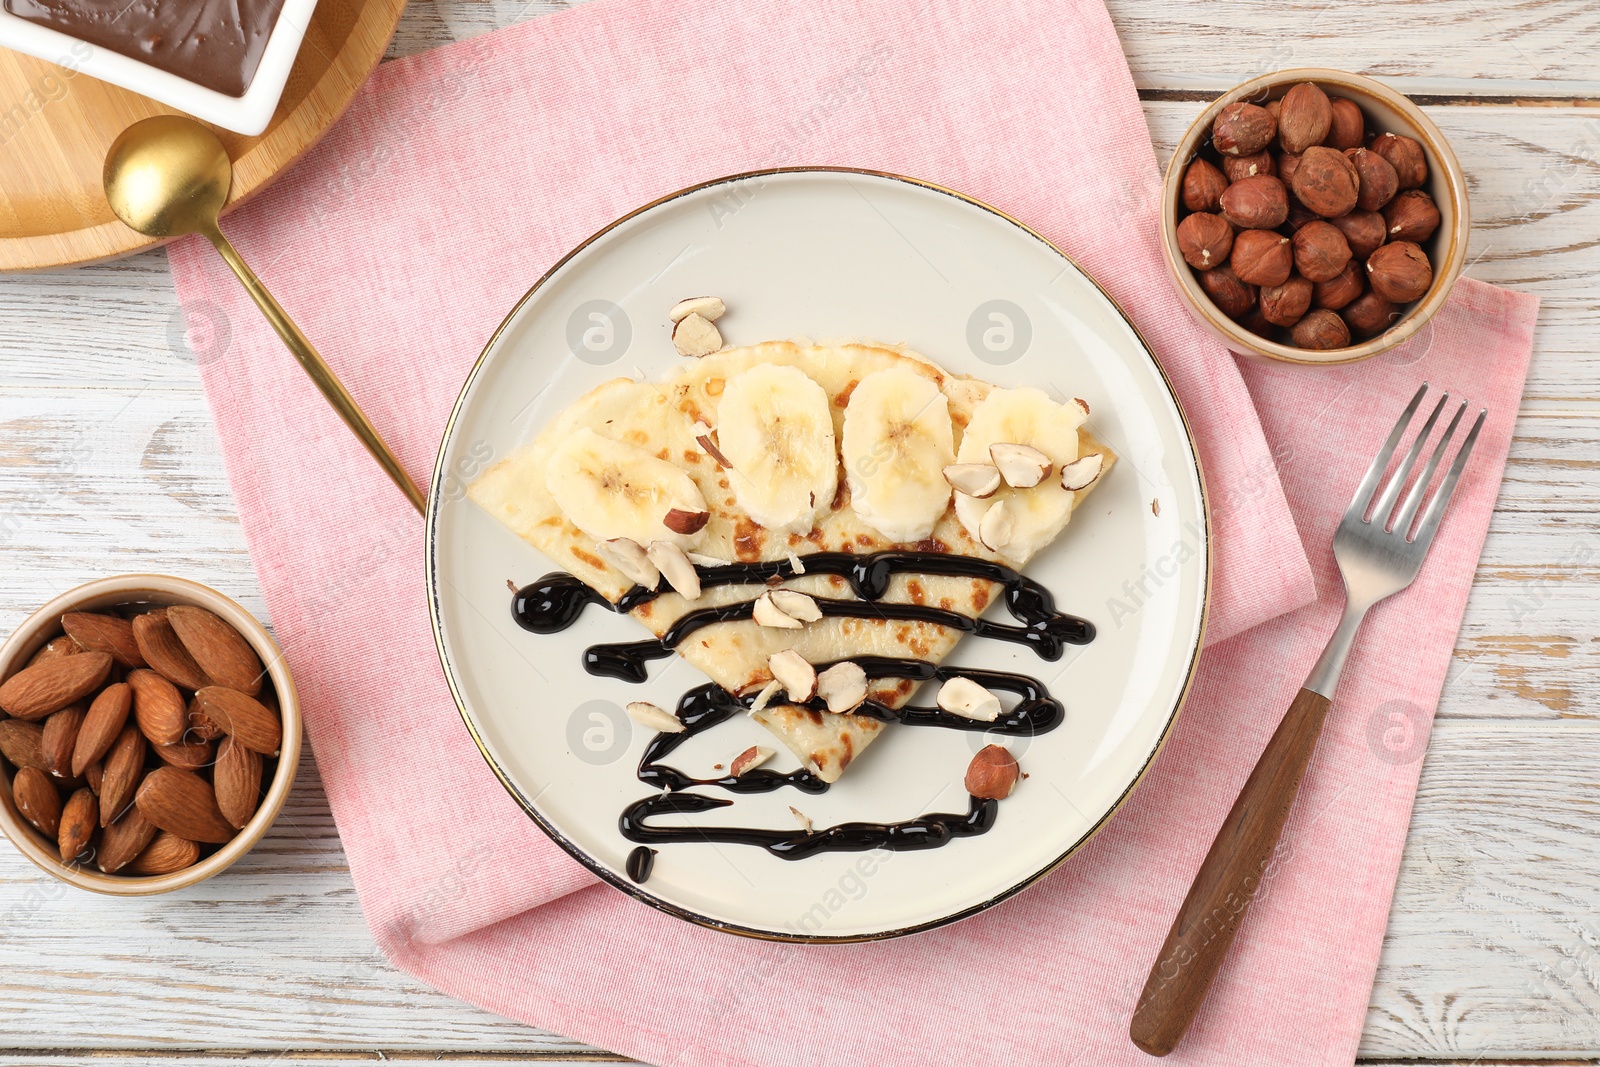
[{"x": 168, "y": 176}]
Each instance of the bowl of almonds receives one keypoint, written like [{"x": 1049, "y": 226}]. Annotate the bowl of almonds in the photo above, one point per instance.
[
  {"x": 1314, "y": 216},
  {"x": 149, "y": 734}
]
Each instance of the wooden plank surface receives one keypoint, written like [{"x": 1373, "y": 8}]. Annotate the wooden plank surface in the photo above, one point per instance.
[{"x": 108, "y": 464}]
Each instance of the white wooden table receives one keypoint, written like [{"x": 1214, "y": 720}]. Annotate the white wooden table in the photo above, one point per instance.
[{"x": 108, "y": 464}]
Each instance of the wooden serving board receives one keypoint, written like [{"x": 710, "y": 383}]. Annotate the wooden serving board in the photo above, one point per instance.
[{"x": 55, "y": 127}]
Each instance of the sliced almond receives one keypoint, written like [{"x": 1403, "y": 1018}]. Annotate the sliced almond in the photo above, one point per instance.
[
  {"x": 978, "y": 480},
  {"x": 766, "y": 612},
  {"x": 1022, "y": 466},
  {"x": 763, "y": 698},
  {"x": 710, "y": 308},
  {"x": 694, "y": 335},
  {"x": 749, "y": 759},
  {"x": 675, "y": 568},
  {"x": 801, "y": 817},
  {"x": 798, "y": 677},
  {"x": 997, "y": 527},
  {"x": 1082, "y": 472},
  {"x": 629, "y": 557},
  {"x": 964, "y": 697},
  {"x": 651, "y": 717},
  {"x": 680, "y": 521},
  {"x": 795, "y": 562},
  {"x": 796, "y": 605},
  {"x": 843, "y": 686},
  {"x": 707, "y": 561},
  {"x": 1082, "y": 403},
  {"x": 702, "y": 436}
]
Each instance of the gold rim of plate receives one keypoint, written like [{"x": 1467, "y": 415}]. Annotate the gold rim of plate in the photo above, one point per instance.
[{"x": 431, "y": 545}]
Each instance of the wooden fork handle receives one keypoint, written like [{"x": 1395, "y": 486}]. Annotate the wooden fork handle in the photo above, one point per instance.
[{"x": 1227, "y": 882}]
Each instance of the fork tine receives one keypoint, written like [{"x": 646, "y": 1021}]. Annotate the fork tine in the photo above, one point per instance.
[
  {"x": 1391, "y": 492},
  {"x": 1408, "y": 510},
  {"x": 1369, "y": 482},
  {"x": 1436, "y": 506}
]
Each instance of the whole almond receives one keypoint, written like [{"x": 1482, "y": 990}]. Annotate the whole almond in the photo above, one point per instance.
[
  {"x": 124, "y": 767},
  {"x": 165, "y": 854},
  {"x": 164, "y": 652},
  {"x": 36, "y": 691},
  {"x": 200, "y": 727},
  {"x": 190, "y": 754},
  {"x": 22, "y": 743},
  {"x": 124, "y": 839},
  {"x": 61, "y": 737},
  {"x": 219, "y": 650},
  {"x": 107, "y": 716},
  {"x": 243, "y": 717},
  {"x": 238, "y": 781},
  {"x": 79, "y": 818},
  {"x": 183, "y": 803},
  {"x": 55, "y": 648},
  {"x": 104, "y": 633},
  {"x": 95, "y": 775},
  {"x": 37, "y": 800},
  {"x": 158, "y": 707}
]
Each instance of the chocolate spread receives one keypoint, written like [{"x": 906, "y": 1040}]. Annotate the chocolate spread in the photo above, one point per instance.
[{"x": 214, "y": 43}]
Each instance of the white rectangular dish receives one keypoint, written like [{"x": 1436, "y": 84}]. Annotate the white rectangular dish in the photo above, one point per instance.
[{"x": 246, "y": 114}]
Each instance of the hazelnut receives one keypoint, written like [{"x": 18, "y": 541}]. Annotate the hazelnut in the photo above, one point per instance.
[
  {"x": 1236, "y": 167},
  {"x": 1400, "y": 271},
  {"x": 1365, "y": 230},
  {"x": 1304, "y": 118},
  {"x": 1325, "y": 181},
  {"x": 1242, "y": 129},
  {"x": 1205, "y": 240},
  {"x": 1321, "y": 329},
  {"x": 1282, "y": 305},
  {"x": 1339, "y": 290},
  {"x": 1287, "y": 165},
  {"x": 1262, "y": 257},
  {"x": 1202, "y": 186},
  {"x": 1320, "y": 251},
  {"x": 1376, "y": 180},
  {"x": 992, "y": 774},
  {"x": 1405, "y": 155},
  {"x": 1349, "y": 127},
  {"x": 1232, "y": 295},
  {"x": 1411, "y": 216},
  {"x": 1368, "y": 314},
  {"x": 1299, "y": 215},
  {"x": 1258, "y": 203},
  {"x": 1256, "y": 322}
]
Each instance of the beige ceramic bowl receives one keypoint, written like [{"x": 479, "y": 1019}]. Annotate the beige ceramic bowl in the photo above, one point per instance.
[
  {"x": 1387, "y": 112},
  {"x": 153, "y": 589}
]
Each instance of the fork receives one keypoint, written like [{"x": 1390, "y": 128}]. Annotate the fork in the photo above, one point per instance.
[{"x": 1377, "y": 558}]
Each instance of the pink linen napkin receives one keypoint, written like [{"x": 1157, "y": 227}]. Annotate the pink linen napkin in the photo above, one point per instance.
[{"x": 459, "y": 176}]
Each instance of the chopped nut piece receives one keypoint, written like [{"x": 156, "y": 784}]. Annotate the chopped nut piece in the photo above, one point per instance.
[
  {"x": 843, "y": 686},
  {"x": 767, "y": 613},
  {"x": 1022, "y": 466},
  {"x": 997, "y": 527},
  {"x": 696, "y": 336},
  {"x": 675, "y": 568},
  {"x": 979, "y": 480},
  {"x": 796, "y": 605},
  {"x": 710, "y": 308},
  {"x": 802, "y": 818},
  {"x": 651, "y": 717},
  {"x": 798, "y": 677},
  {"x": 1082, "y": 472},
  {"x": 631, "y": 559},
  {"x": 964, "y": 697},
  {"x": 749, "y": 760}
]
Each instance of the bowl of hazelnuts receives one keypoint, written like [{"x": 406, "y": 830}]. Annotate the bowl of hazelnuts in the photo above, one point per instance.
[{"x": 1314, "y": 216}]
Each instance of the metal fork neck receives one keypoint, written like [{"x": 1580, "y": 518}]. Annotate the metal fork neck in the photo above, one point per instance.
[{"x": 1324, "y": 677}]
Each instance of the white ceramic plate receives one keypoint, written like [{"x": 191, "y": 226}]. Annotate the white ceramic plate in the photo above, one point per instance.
[
  {"x": 247, "y": 114},
  {"x": 831, "y": 255}
]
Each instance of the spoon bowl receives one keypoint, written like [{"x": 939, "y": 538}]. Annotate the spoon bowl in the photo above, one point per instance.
[{"x": 167, "y": 176}]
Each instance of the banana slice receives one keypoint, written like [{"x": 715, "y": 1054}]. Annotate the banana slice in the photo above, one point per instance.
[
  {"x": 897, "y": 443},
  {"x": 612, "y": 489},
  {"x": 1025, "y": 416},
  {"x": 776, "y": 428}
]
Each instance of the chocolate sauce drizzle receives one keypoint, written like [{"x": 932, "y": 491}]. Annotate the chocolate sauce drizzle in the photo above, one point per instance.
[{"x": 556, "y": 601}]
